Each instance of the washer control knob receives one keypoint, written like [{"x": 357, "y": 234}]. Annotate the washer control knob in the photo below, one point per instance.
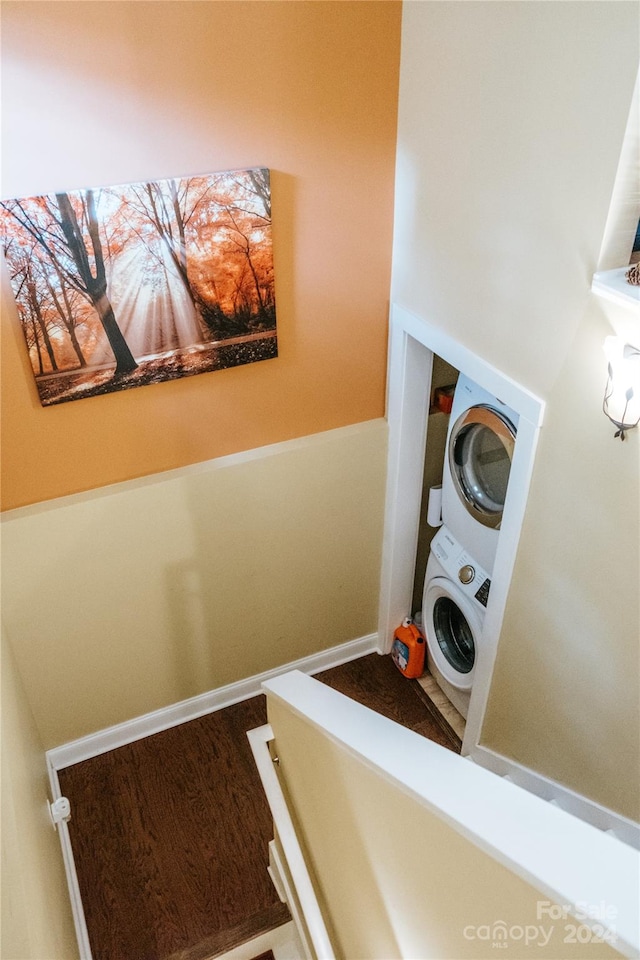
[{"x": 466, "y": 573}]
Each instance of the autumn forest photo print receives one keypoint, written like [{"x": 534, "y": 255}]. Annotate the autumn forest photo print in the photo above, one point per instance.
[{"x": 118, "y": 287}]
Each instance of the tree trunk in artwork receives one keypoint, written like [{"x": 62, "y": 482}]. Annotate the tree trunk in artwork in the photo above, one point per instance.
[
  {"x": 161, "y": 219},
  {"x": 66, "y": 315},
  {"x": 36, "y": 341},
  {"x": 96, "y": 286},
  {"x": 37, "y": 313},
  {"x": 181, "y": 254},
  {"x": 76, "y": 345},
  {"x": 262, "y": 311},
  {"x": 245, "y": 246}
]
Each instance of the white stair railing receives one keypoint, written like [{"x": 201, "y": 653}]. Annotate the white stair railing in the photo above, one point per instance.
[
  {"x": 300, "y": 894},
  {"x": 564, "y": 860}
]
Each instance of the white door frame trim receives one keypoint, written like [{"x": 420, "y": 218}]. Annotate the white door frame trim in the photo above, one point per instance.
[{"x": 412, "y": 345}]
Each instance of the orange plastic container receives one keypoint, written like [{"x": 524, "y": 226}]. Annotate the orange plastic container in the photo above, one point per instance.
[{"x": 407, "y": 650}]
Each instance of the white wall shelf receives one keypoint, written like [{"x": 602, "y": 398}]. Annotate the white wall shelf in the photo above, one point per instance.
[{"x": 612, "y": 285}]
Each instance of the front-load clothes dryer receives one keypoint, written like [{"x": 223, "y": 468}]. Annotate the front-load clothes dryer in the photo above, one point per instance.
[
  {"x": 454, "y": 601},
  {"x": 480, "y": 441}
]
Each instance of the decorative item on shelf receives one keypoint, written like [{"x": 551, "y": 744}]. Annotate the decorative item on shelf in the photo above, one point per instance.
[
  {"x": 621, "y": 402},
  {"x": 613, "y": 285},
  {"x": 633, "y": 275}
]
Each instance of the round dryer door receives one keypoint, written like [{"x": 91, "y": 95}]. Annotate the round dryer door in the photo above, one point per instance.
[
  {"x": 453, "y": 630},
  {"x": 480, "y": 452}
]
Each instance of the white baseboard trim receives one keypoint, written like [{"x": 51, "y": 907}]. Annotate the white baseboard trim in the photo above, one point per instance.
[
  {"x": 77, "y": 909},
  {"x": 122, "y": 733},
  {"x": 598, "y": 816}
]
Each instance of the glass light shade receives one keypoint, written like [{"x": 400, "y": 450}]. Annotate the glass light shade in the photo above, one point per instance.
[{"x": 622, "y": 395}]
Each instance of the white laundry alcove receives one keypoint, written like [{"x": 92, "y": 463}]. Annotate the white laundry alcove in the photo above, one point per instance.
[{"x": 413, "y": 343}]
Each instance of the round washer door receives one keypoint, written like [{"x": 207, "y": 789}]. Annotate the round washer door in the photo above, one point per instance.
[
  {"x": 453, "y": 629},
  {"x": 481, "y": 446}
]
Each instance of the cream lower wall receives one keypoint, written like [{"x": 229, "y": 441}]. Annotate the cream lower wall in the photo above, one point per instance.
[
  {"x": 565, "y": 698},
  {"x": 130, "y": 598},
  {"x": 511, "y": 124},
  {"x": 36, "y": 915}
]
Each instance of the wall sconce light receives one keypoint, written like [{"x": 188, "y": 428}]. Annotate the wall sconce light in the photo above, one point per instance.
[{"x": 621, "y": 402}]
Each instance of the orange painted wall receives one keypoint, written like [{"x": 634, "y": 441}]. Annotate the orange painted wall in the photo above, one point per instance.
[{"x": 98, "y": 93}]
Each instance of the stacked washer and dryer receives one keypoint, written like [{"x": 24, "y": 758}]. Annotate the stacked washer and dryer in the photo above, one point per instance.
[{"x": 479, "y": 448}]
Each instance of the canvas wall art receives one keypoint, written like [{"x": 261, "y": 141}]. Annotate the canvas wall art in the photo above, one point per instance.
[{"x": 124, "y": 286}]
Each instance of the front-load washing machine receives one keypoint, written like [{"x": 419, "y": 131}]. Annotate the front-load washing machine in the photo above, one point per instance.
[
  {"x": 454, "y": 601},
  {"x": 480, "y": 441}
]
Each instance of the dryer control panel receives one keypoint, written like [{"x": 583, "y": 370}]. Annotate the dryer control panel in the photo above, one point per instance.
[{"x": 461, "y": 567}]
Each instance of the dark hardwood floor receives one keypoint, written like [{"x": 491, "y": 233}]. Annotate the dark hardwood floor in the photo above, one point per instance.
[
  {"x": 170, "y": 838},
  {"x": 170, "y": 833},
  {"x": 377, "y": 683}
]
